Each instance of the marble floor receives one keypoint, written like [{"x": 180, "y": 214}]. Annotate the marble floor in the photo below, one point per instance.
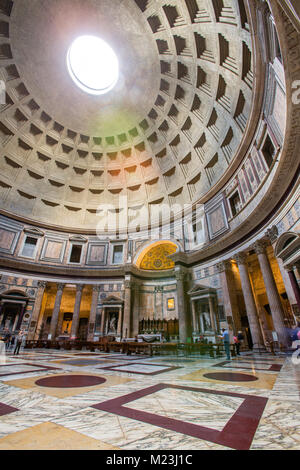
[{"x": 75, "y": 400}]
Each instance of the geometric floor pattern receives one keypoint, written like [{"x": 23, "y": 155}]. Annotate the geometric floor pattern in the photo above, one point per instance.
[{"x": 96, "y": 401}]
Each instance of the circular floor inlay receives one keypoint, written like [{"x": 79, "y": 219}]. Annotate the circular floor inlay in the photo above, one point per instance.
[
  {"x": 230, "y": 377},
  {"x": 70, "y": 381}
]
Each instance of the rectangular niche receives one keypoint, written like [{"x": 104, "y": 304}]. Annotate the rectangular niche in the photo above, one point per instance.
[
  {"x": 235, "y": 203},
  {"x": 29, "y": 247},
  {"x": 53, "y": 250},
  {"x": 76, "y": 252},
  {"x": 97, "y": 254},
  {"x": 216, "y": 217},
  {"x": 8, "y": 239},
  {"x": 117, "y": 254}
]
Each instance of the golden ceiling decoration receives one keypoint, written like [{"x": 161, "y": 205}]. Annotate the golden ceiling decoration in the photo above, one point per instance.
[{"x": 157, "y": 257}]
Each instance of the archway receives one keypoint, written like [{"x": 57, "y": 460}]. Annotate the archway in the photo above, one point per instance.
[{"x": 12, "y": 308}]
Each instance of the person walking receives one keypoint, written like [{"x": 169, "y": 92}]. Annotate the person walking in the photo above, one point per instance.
[
  {"x": 226, "y": 341},
  {"x": 18, "y": 342}
]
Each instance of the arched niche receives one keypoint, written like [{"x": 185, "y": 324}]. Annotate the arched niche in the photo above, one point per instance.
[{"x": 155, "y": 256}]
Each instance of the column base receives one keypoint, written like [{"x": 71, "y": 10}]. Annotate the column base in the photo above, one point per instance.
[{"x": 258, "y": 348}]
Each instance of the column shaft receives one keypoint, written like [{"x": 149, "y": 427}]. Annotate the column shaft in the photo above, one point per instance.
[
  {"x": 36, "y": 310},
  {"x": 136, "y": 311},
  {"x": 93, "y": 311},
  {"x": 102, "y": 324},
  {"x": 76, "y": 312},
  {"x": 119, "y": 327},
  {"x": 254, "y": 325},
  {"x": 127, "y": 310},
  {"x": 212, "y": 313},
  {"x": 184, "y": 322},
  {"x": 194, "y": 321},
  {"x": 56, "y": 310},
  {"x": 272, "y": 293},
  {"x": 295, "y": 286},
  {"x": 230, "y": 301}
]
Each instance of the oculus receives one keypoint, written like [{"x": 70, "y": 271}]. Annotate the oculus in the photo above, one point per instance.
[{"x": 93, "y": 65}]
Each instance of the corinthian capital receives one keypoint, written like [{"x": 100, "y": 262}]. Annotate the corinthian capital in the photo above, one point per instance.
[
  {"x": 42, "y": 284},
  {"x": 223, "y": 266},
  {"x": 240, "y": 258},
  {"x": 259, "y": 247},
  {"x": 272, "y": 233},
  {"x": 180, "y": 275}
]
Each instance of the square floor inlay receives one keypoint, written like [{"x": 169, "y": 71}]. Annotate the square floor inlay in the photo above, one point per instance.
[
  {"x": 239, "y": 414},
  {"x": 25, "y": 368},
  {"x": 141, "y": 368},
  {"x": 82, "y": 362},
  {"x": 249, "y": 365}
]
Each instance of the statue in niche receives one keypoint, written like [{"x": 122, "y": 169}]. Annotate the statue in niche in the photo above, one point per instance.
[{"x": 113, "y": 324}]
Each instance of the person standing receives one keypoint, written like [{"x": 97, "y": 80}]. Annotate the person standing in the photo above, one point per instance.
[
  {"x": 238, "y": 339},
  {"x": 226, "y": 341},
  {"x": 7, "y": 338},
  {"x": 18, "y": 342}
]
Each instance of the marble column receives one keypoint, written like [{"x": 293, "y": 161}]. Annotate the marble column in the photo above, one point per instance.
[
  {"x": 255, "y": 329},
  {"x": 120, "y": 319},
  {"x": 36, "y": 309},
  {"x": 93, "y": 311},
  {"x": 185, "y": 327},
  {"x": 230, "y": 300},
  {"x": 294, "y": 284},
  {"x": 56, "y": 310},
  {"x": 102, "y": 322},
  {"x": 76, "y": 312},
  {"x": 136, "y": 310},
  {"x": 127, "y": 309},
  {"x": 194, "y": 320},
  {"x": 272, "y": 292},
  {"x": 287, "y": 272},
  {"x": 159, "y": 302},
  {"x": 201, "y": 321},
  {"x": 212, "y": 313}
]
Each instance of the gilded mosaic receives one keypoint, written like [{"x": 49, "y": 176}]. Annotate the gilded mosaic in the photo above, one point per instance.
[{"x": 157, "y": 258}]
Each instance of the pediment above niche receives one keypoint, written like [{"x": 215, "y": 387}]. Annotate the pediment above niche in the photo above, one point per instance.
[
  {"x": 200, "y": 289},
  {"x": 112, "y": 299},
  {"x": 78, "y": 238},
  {"x": 34, "y": 231}
]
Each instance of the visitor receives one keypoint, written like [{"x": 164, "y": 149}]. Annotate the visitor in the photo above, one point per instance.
[
  {"x": 2, "y": 351},
  {"x": 12, "y": 341},
  {"x": 7, "y": 337},
  {"x": 240, "y": 338},
  {"x": 225, "y": 337},
  {"x": 237, "y": 345},
  {"x": 295, "y": 336},
  {"x": 18, "y": 340}
]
